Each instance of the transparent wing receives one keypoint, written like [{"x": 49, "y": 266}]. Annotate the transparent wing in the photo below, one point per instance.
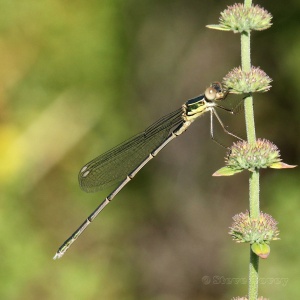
[
  {"x": 235, "y": 104},
  {"x": 114, "y": 165}
]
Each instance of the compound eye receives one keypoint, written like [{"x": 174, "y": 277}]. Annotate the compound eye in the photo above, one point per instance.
[{"x": 210, "y": 94}]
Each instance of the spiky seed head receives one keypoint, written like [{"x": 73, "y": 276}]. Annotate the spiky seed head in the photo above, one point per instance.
[
  {"x": 238, "y": 18},
  {"x": 239, "y": 82},
  {"x": 250, "y": 230},
  {"x": 252, "y": 156}
]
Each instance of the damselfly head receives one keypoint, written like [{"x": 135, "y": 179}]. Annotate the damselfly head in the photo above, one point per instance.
[{"x": 215, "y": 92}]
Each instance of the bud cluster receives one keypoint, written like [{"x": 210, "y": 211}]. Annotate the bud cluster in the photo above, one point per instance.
[
  {"x": 258, "y": 232},
  {"x": 247, "y": 230},
  {"x": 252, "y": 156},
  {"x": 238, "y": 18},
  {"x": 239, "y": 82}
]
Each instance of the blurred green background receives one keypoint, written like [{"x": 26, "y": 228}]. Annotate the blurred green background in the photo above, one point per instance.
[{"x": 79, "y": 77}]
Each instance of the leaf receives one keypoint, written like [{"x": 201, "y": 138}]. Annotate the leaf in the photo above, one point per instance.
[
  {"x": 218, "y": 27},
  {"x": 261, "y": 250},
  {"x": 281, "y": 165},
  {"x": 226, "y": 171}
]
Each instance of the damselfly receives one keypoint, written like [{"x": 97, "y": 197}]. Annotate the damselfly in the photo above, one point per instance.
[{"x": 122, "y": 163}]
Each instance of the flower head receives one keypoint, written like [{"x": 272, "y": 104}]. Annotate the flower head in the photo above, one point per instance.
[
  {"x": 247, "y": 230},
  {"x": 239, "y": 18},
  {"x": 258, "y": 232},
  {"x": 239, "y": 82},
  {"x": 247, "y": 156}
]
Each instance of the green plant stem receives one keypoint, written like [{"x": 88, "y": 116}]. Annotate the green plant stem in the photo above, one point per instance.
[
  {"x": 253, "y": 276},
  {"x": 254, "y": 176},
  {"x": 254, "y": 195},
  {"x": 254, "y": 213},
  {"x": 249, "y": 117},
  {"x": 247, "y": 3},
  {"x": 248, "y": 101},
  {"x": 245, "y": 51}
]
